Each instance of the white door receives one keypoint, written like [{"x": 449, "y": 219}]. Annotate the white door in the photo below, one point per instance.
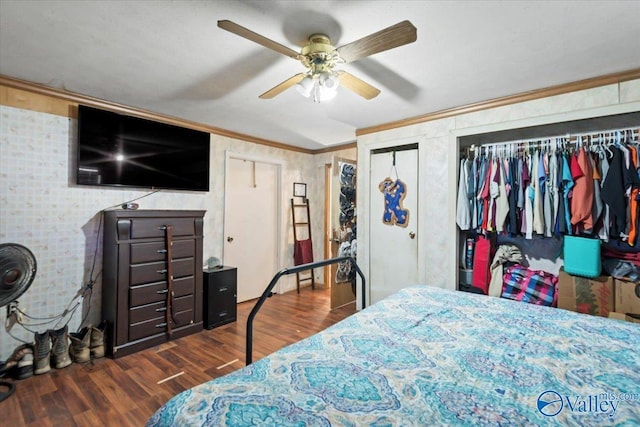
[
  {"x": 251, "y": 224},
  {"x": 393, "y": 247}
]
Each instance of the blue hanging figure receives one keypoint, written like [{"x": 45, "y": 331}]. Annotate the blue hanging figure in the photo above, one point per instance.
[{"x": 394, "y": 193}]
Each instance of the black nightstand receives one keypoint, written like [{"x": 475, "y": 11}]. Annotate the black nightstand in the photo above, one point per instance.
[{"x": 219, "y": 295}]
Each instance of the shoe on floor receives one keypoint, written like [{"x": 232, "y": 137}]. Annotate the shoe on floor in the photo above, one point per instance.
[
  {"x": 60, "y": 347},
  {"x": 24, "y": 369},
  {"x": 20, "y": 364},
  {"x": 41, "y": 353},
  {"x": 97, "y": 340},
  {"x": 80, "y": 345}
]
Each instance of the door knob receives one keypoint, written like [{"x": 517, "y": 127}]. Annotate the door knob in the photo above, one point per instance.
[
  {"x": 229, "y": 239},
  {"x": 412, "y": 235}
]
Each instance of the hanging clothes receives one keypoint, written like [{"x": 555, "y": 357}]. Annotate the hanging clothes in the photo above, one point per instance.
[
  {"x": 613, "y": 193},
  {"x": 514, "y": 191},
  {"x": 582, "y": 200},
  {"x": 502, "y": 202},
  {"x": 567, "y": 184},
  {"x": 546, "y": 189},
  {"x": 463, "y": 211},
  {"x": 538, "y": 189}
]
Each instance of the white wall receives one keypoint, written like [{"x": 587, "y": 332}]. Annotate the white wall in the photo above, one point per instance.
[
  {"x": 438, "y": 161},
  {"x": 42, "y": 209}
]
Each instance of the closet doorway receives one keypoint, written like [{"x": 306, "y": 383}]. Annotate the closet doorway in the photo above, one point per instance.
[
  {"x": 340, "y": 223},
  {"x": 251, "y": 222},
  {"x": 393, "y": 259}
]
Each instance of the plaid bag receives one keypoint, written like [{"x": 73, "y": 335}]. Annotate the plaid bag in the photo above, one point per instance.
[{"x": 535, "y": 287}]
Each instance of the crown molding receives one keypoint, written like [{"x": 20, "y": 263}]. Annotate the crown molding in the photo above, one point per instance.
[
  {"x": 507, "y": 100},
  {"x": 74, "y": 99}
]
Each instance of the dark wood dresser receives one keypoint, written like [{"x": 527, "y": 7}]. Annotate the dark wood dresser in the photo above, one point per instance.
[{"x": 151, "y": 277}]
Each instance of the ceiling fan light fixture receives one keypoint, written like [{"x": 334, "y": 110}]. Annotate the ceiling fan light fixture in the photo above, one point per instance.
[
  {"x": 321, "y": 86},
  {"x": 305, "y": 86},
  {"x": 329, "y": 80}
]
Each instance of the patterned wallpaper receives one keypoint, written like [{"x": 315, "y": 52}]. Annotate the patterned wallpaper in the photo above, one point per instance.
[{"x": 43, "y": 209}]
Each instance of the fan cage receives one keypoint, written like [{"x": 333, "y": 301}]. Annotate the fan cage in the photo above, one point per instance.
[{"x": 17, "y": 270}]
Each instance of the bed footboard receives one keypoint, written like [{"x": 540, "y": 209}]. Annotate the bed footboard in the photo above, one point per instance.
[{"x": 286, "y": 272}]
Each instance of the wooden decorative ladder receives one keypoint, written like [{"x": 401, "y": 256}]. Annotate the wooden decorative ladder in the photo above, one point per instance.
[{"x": 299, "y": 225}]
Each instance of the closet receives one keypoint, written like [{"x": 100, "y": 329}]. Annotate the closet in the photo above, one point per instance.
[{"x": 530, "y": 187}]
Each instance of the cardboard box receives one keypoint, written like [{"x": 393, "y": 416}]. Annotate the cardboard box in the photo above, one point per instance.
[
  {"x": 583, "y": 295},
  {"x": 626, "y": 298},
  {"x": 622, "y": 316}
]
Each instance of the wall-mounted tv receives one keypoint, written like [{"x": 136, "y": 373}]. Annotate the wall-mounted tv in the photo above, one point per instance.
[{"x": 120, "y": 150}]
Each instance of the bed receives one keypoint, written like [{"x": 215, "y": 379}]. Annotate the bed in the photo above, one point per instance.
[{"x": 429, "y": 356}]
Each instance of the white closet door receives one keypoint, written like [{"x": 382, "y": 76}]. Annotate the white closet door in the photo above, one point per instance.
[
  {"x": 250, "y": 224},
  {"x": 393, "y": 251}
]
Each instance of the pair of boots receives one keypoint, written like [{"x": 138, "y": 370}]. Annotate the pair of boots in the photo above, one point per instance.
[
  {"x": 51, "y": 343},
  {"x": 52, "y": 347},
  {"x": 88, "y": 343}
]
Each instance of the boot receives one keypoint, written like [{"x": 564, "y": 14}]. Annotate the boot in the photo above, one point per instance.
[
  {"x": 80, "y": 345},
  {"x": 97, "y": 340},
  {"x": 41, "y": 353},
  {"x": 60, "y": 347}
]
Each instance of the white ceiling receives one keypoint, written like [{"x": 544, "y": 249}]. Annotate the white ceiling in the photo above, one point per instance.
[{"x": 170, "y": 57}]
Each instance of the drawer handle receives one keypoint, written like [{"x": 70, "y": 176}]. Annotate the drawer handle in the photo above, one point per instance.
[
  {"x": 161, "y": 325},
  {"x": 161, "y": 251},
  {"x": 164, "y": 271},
  {"x": 161, "y": 309},
  {"x": 224, "y": 313},
  {"x": 162, "y": 291},
  {"x": 162, "y": 227},
  {"x": 223, "y": 289}
]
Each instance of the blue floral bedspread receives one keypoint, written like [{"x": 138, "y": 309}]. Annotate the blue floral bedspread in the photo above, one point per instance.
[{"x": 427, "y": 356}]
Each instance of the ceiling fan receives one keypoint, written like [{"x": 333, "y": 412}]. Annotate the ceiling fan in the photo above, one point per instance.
[{"x": 320, "y": 57}]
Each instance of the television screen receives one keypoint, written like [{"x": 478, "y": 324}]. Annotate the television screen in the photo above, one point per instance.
[{"x": 119, "y": 150}]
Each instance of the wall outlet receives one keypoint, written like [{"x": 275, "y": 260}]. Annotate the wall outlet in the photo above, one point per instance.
[{"x": 12, "y": 308}]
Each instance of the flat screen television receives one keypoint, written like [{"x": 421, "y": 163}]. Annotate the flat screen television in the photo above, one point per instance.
[{"x": 120, "y": 150}]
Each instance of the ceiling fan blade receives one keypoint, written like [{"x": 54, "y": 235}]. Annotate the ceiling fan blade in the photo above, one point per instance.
[
  {"x": 255, "y": 37},
  {"x": 358, "y": 86},
  {"x": 277, "y": 90},
  {"x": 394, "y": 36}
]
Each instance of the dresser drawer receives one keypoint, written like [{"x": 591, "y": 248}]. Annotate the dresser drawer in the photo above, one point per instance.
[
  {"x": 158, "y": 310},
  {"x": 147, "y": 328},
  {"x": 147, "y": 273},
  {"x": 183, "y": 303},
  {"x": 183, "y": 317},
  {"x": 183, "y": 267},
  {"x": 147, "y": 312},
  {"x": 148, "y": 252},
  {"x": 157, "y": 251},
  {"x": 183, "y": 286},
  {"x": 146, "y": 294},
  {"x": 142, "y": 228},
  {"x": 157, "y": 271}
]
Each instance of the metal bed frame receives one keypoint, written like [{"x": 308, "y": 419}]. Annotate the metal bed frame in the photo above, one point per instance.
[{"x": 292, "y": 270}]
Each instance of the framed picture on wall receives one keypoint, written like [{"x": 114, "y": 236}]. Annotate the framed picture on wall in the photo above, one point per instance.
[{"x": 299, "y": 189}]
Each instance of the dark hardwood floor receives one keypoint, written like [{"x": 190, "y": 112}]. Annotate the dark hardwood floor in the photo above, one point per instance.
[{"x": 127, "y": 391}]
